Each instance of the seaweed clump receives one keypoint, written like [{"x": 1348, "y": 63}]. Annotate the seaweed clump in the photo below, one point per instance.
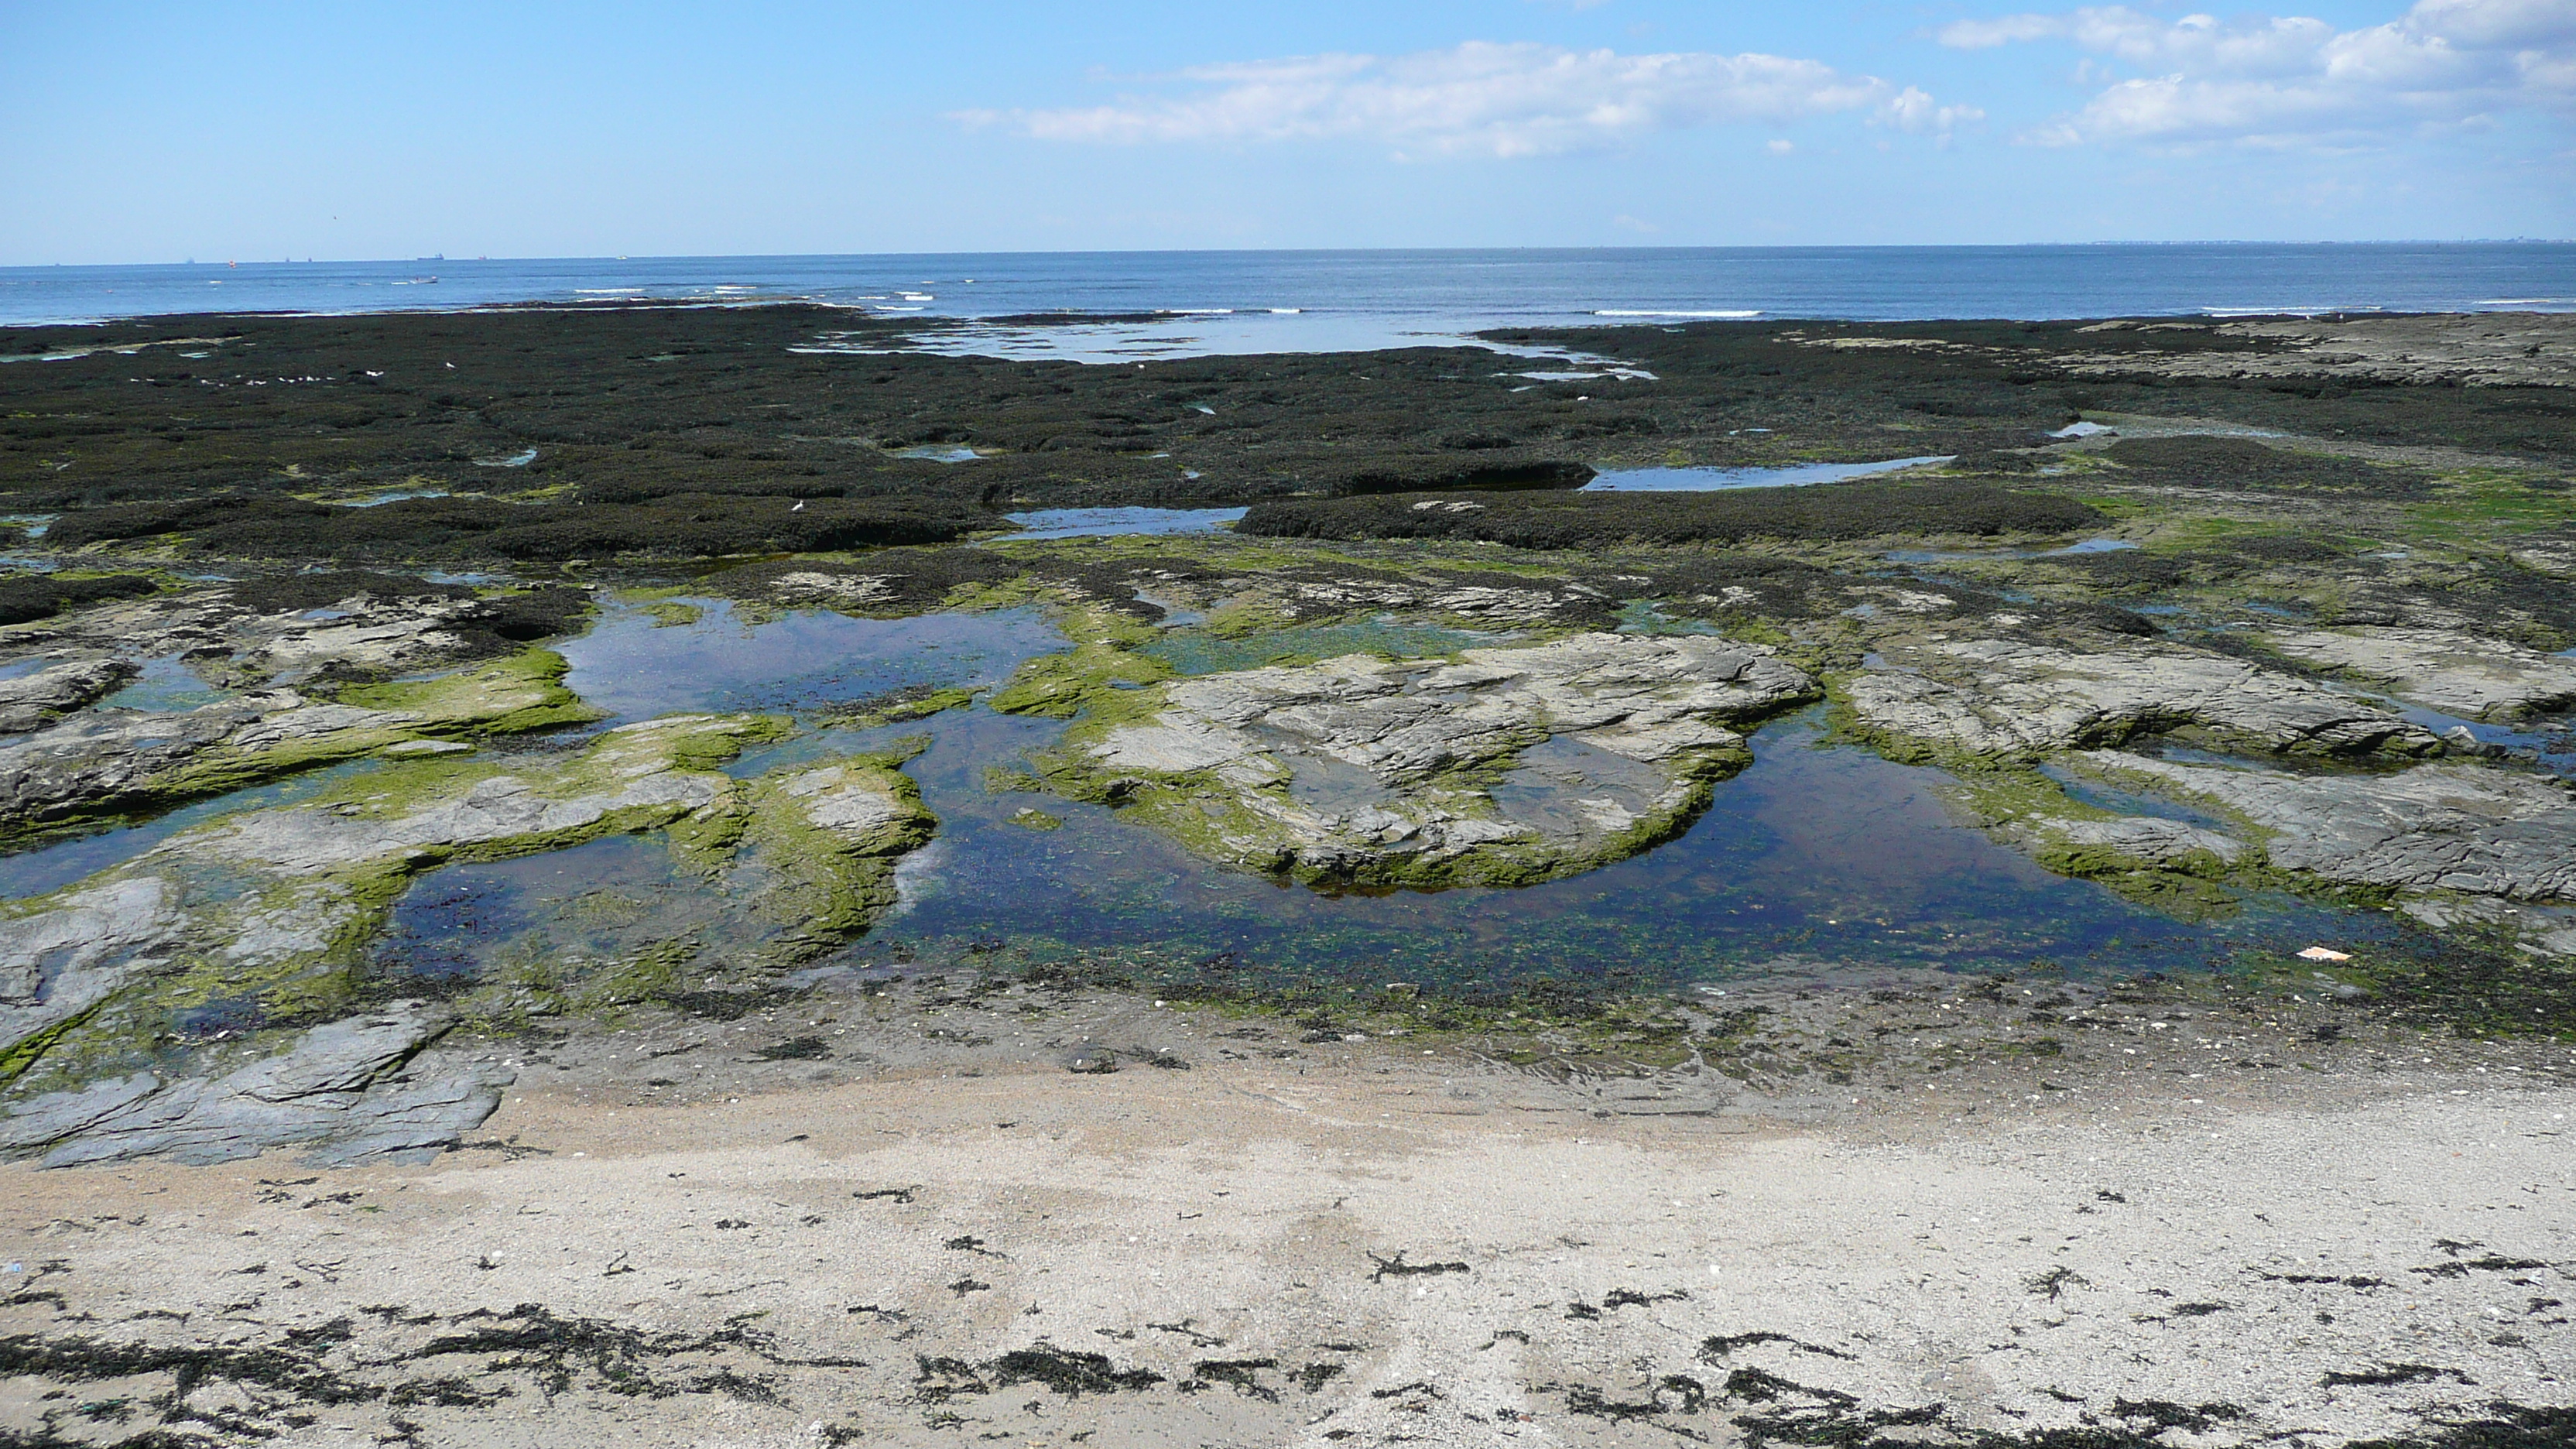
[
  {"x": 42, "y": 596},
  {"x": 1832, "y": 512},
  {"x": 238, "y": 525},
  {"x": 2244, "y": 464}
]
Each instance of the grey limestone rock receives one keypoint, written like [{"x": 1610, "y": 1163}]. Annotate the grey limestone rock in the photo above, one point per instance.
[
  {"x": 348, "y": 1091},
  {"x": 2146, "y": 840},
  {"x": 2008, "y": 699},
  {"x": 254, "y": 898},
  {"x": 107, "y": 755},
  {"x": 34, "y": 700},
  {"x": 1512, "y": 763},
  {"x": 2474, "y": 829},
  {"x": 2453, "y": 672}
]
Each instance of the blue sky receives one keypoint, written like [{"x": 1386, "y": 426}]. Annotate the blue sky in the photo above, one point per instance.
[{"x": 160, "y": 132}]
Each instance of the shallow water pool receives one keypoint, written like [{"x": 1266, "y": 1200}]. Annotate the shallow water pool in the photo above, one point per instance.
[
  {"x": 166, "y": 685},
  {"x": 1114, "y": 522},
  {"x": 1817, "y": 857},
  {"x": 1712, "y": 480},
  {"x": 636, "y": 667}
]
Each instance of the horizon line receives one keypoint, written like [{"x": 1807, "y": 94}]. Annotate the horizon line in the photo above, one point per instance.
[{"x": 1303, "y": 251}]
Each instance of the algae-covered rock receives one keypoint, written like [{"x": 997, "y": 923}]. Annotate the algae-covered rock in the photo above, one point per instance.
[
  {"x": 2091, "y": 847},
  {"x": 275, "y": 906},
  {"x": 34, "y": 700},
  {"x": 2473, "y": 829},
  {"x": 271, "y": 910},
  {"x": 124, "y": 759},
  {"x": 827, "y": 837},
  {"x": 2453, "y": 672},
  {"x": 1509, "y": 765},
  {"x": 269, "y": 913},
  {"x": 2005, "y": 699}
]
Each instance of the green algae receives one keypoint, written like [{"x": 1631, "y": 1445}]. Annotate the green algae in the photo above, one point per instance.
[
  {"x": 836, "y": 879},
  {"x": 904, "y": 706},
  {"x": 1102, "y": 664},
  {"x": 288, "y": 940},
  {"x": 1195, "y": 651},
  {"x": 514, "y": 695}
]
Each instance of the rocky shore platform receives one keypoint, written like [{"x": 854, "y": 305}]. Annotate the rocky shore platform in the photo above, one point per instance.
[{"x": 528, "y": 913}]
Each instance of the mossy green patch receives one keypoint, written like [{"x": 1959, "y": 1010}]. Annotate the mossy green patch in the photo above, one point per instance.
[
  {"x": 1102, "y": 664},
  {"x": 2487, "y": 503},
  {"x": 277, "y": 907},
  {"x": 512, "y": 695},
  {"x": 831, "y": 833},
  {"x": 903, "y": 706}
]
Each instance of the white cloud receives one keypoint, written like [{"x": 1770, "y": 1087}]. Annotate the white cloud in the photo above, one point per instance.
[
  {"x": 2298, "y": 80},
  {"x": 1485, "y": 99},
  {"x": 2003, "y": 30}
]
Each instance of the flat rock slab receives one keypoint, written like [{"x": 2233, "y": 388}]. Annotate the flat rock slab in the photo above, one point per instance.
[
  {"x": 2146, "y": 840},
  {"x": 2442, "y": 827},
  {"x": 248, "y": 901},
  {"x": 2456, "y": 673},
  {"x": 350, "y": 1090},
  {"x": 2003, "y": 698},
  {"x": 33, "y": 700},
  {"x": 274, "y": 900},
  {"x": 1510, "y": 764}
]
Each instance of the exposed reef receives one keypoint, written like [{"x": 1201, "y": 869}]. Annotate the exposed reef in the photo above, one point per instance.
[
  {"x": 2006, "y": 699},
  {"x": 1835, "y": 511},
  {"x": 270, "y": 912},
  {"x": 1507, "y": 766},
  {"x": 2181, "y": 650},
  {"x": 2444, "y": 827},
  {"x": 2454, "y": 672},
  {"x": 106, "y": 761},
  {"x": 349, "y": 1091},
  {"x": 545, "y": 435}
]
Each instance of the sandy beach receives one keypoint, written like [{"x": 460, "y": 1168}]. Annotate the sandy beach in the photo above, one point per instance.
[{"x": 1350, "y": 1242}]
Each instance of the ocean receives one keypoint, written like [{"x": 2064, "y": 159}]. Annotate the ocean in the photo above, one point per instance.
[{"x": 1306, "y": 301}]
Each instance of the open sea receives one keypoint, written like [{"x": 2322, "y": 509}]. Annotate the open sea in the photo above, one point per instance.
[{"x": 1308, "y": 301}]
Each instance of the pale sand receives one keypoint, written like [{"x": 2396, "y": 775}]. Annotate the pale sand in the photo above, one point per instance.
[{"x": 2023, "y": 1272}]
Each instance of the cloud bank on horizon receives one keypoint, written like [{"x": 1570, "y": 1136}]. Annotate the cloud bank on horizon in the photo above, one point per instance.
[
  {"x": 2266, "y": 81},
  {"x": 1486, "y": 99},
  {"x": 2291, "y": 80}
]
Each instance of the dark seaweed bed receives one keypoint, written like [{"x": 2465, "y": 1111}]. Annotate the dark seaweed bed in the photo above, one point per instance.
[{"x": 695, "y": 432}]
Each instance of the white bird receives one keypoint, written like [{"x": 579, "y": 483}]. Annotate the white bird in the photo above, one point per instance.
[{"x": 799, "y": 508}]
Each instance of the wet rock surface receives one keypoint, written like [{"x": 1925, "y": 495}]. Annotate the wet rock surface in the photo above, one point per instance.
[
  {"x": 1999, "y": 697},
  {"x": 351, "y": 1091},
  {"x": 1509, "y": 764},
  {"x": 107, "y": 759},
  {"x": 2454, "y": 672},
  {"x": 275, "y": 907},
  {"x": 2441, "y": 827},
  {"x": 31, "y": 701}
]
